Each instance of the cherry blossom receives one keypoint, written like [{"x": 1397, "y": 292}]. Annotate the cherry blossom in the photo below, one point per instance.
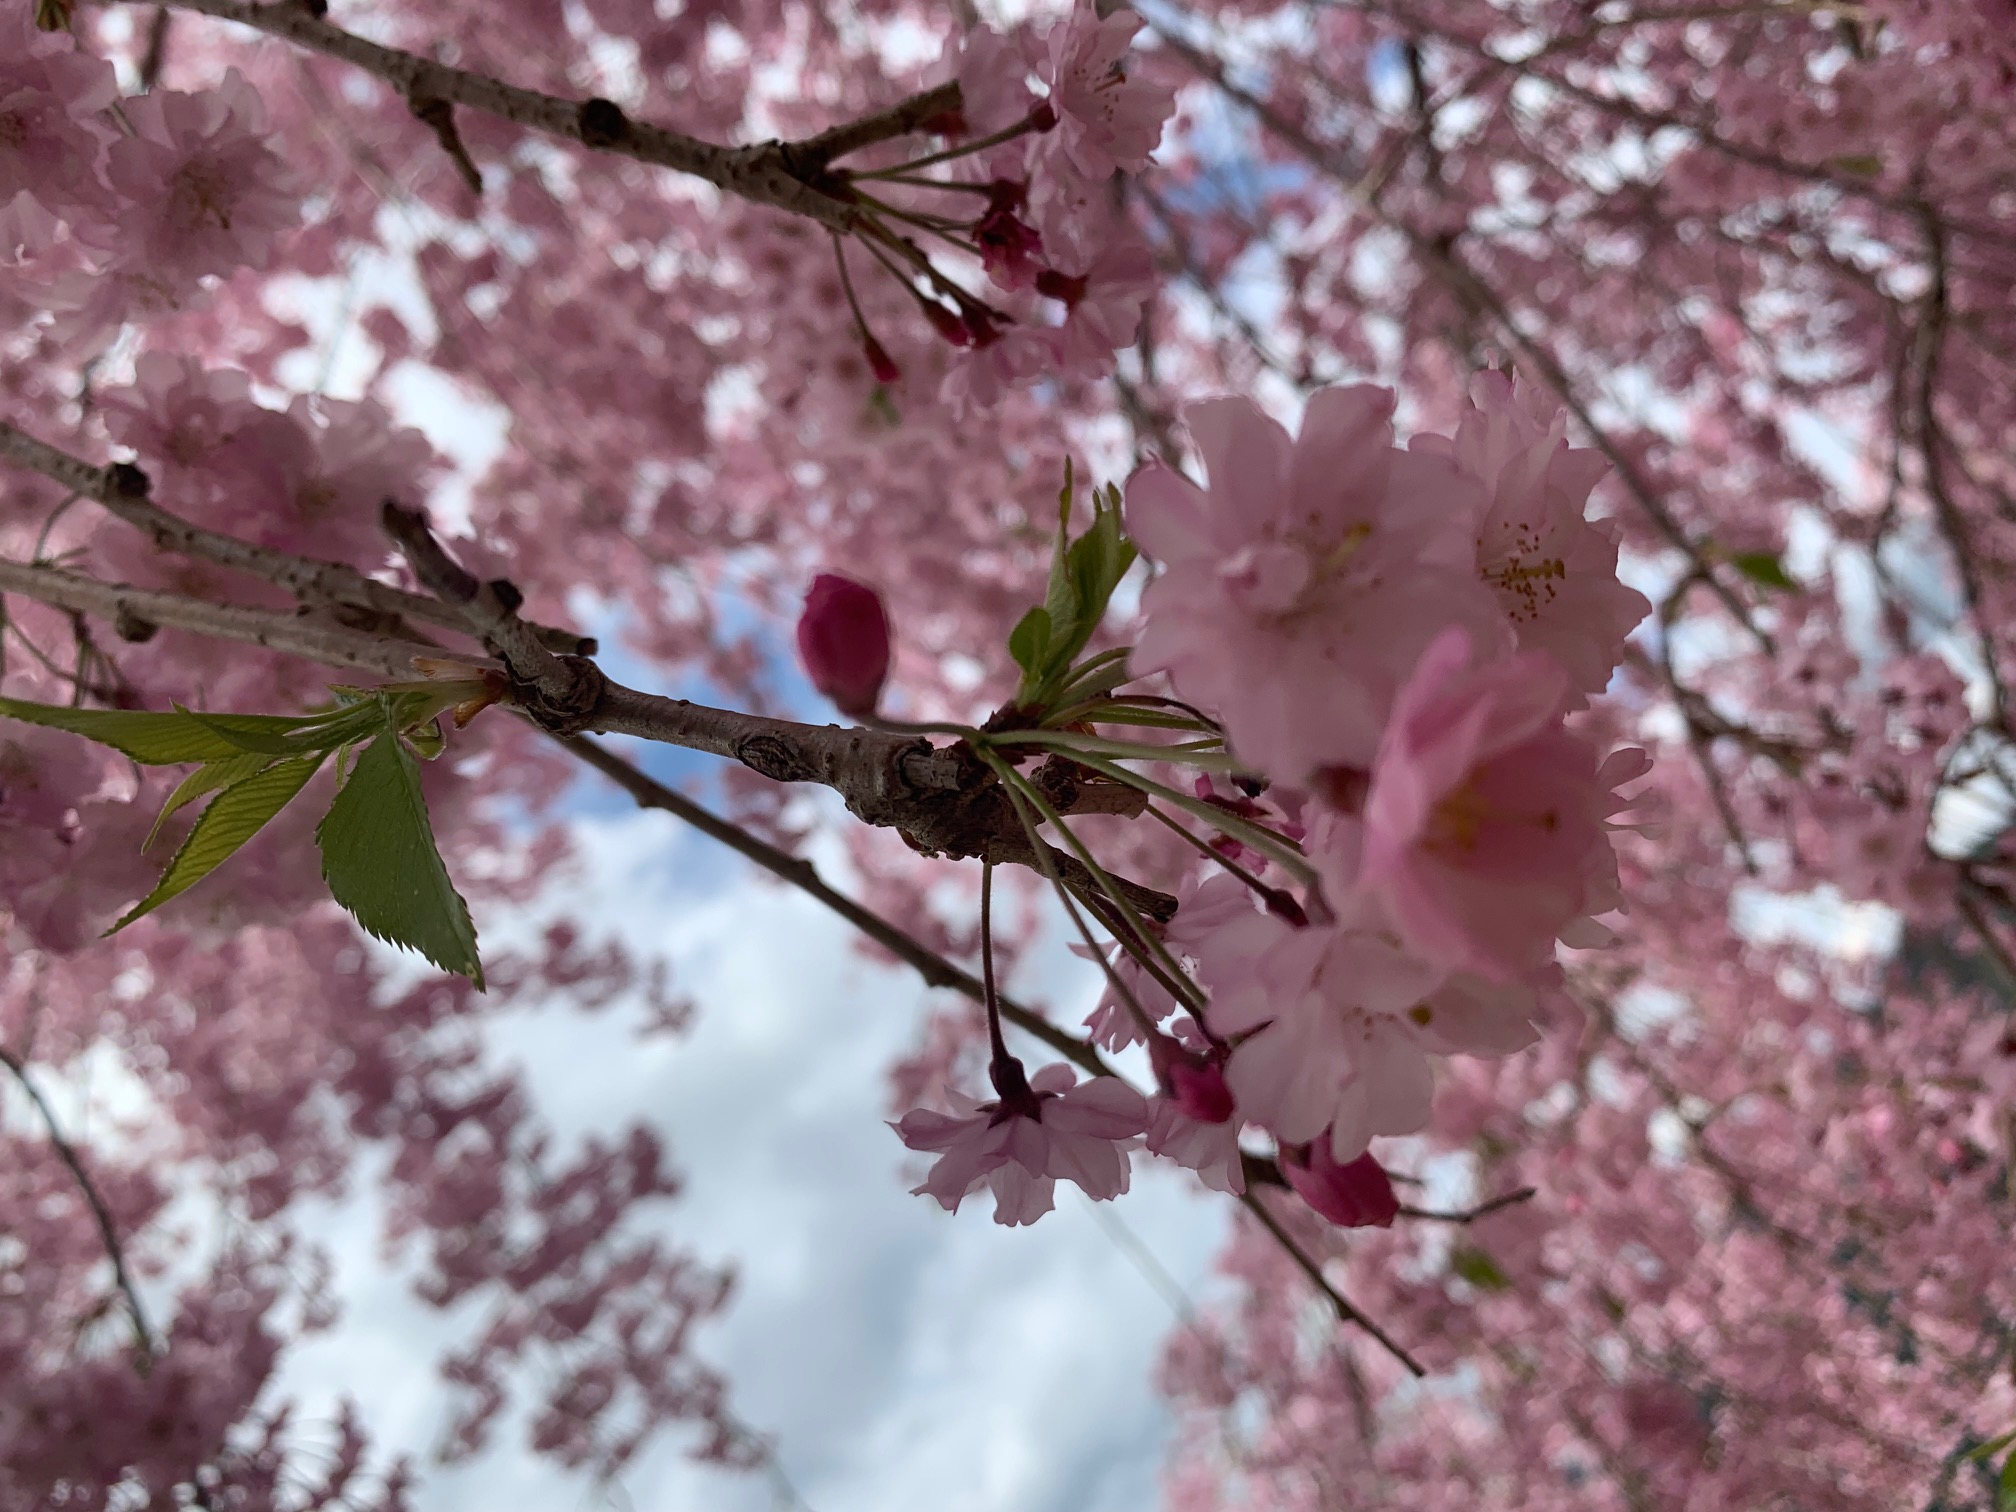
[
  {"x": 1109, "y": 117},
  {"x": 1352, "y": 1194},
  {"x": 1553, "y": 570},
  {"x": 204, "y": 192},
  {"x": 1018, "y": 1146},
  {"x": 1331, "y": 559},
  {"x": 1484, "y": 834}
]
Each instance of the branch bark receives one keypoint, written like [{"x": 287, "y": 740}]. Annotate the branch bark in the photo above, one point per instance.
[
  {"x": 788, "y": 176},
  {"x": 108, "y": 1232},
  {"x": 801, "y": 874},
  {"x": 293, "y": 634},
  {"x": 360, "y": 602}
]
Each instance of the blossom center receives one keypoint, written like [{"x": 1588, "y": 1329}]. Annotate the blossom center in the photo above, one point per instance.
[
  {"x": 203, "y": 194},
  {"x": 1458, "y": 821}
]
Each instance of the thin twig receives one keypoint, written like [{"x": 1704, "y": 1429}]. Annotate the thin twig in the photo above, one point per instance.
[
  {"x": 108, "y": 1233},
  {"x": 1346, "y": 1312},
  {"x": 801, "y": 874},
  {"x": 1471, "y": 1215}
]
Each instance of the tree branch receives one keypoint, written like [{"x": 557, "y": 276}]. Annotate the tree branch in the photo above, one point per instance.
[
  {"x": 293, "y": 634},
  {"x": 362, "y": 603},
  {"x": 932, "y": 967},
  {"x": 788, "y": 176},
  {"x": 108, "y": 1233},
  {"x": 944, "y": 801}
]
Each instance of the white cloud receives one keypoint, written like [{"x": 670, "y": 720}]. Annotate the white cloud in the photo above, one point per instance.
[{"x": 905, "y": 1358}]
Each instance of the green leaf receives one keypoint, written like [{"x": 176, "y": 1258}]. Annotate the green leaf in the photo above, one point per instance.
[
  {"x": 1060, "y": 595},
  {"x": 289, "y": 734},
  {"x": 152, "y": 739},
  {"x": 234, "y": 816},
  {"x": 2005, "y": 1486},
  {"x": 426, "y": 739},
  {"x": 1029, "y": 640},
  {"x": 1861, "y": 164},
  {"x": 1990, "y": 1449},
  {"x": 1479, "y": 1269},
  {"x": 207, "y": 778},
  {"x": 1083, "y": 574},
  {"x": 1763, "y": 567},
  {"x": 381, "y": 863}
]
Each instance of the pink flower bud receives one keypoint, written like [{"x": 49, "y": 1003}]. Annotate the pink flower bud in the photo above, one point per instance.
[
  {"x": 1354, "y": 1195},
  {"x": 843, "y": 640}
]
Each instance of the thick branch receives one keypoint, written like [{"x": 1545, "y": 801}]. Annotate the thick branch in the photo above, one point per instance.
[
  {"x": 362, "y": 602},
  {"x": 292, "y": 634},
  {"x": 788, "y": 176},
  {"x": 943, "y": 800}
]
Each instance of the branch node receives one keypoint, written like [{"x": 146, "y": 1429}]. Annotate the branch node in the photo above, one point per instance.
[
  {"x": 601, "y": 123},
  {"x": 438, "y": 115},
  {"x": 128, "y": 481}
]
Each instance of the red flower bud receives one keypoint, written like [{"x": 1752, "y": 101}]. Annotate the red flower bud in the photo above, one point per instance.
[
  {"x": 880, "y": 363},
  {"x": 843, "y": 640},
  {"x": 1060, "y": 286},
  {"x": 1356, "y": 1194},
  {"x": 1195, "y": 1084},
  {"x": 948, "y": 323}
]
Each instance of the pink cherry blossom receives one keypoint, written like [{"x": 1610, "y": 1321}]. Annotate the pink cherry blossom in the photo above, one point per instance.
[
  {"x": 1009, "y": 247},
  {"x": 205, "y": 192},
  {"x": 1206, "y": 903},
  {"x": 992, "y": 73},
  {"x": 1103, "y": 308},
  {"x": 1330, "y": 560},
  {"x": 1020, "y": 1146},
  {"x": 53, "y": 133},
  {"x": 1321, "y": 1035},
  {"x": 1554, "y": 571},
  {"x": 199, "y": 430},
  {"x": 1484, "y": 833},
  {"x": 1109, "y": 117},
  {"x": 1200, "y": 1145}
]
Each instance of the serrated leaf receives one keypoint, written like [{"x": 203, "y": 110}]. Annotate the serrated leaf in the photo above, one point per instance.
[
  {"x": 207, "y": 778},
  {"x": 381, "y": 863},
  {"x": 152, "y": 739},
  {"x": 1763, "y": 567},
  {"x": 288, "y": 734},
  {"x": 1479, "y": 1269},
  {"x": 234, "y": 816},
  {"x": 1029, "y": 640}
]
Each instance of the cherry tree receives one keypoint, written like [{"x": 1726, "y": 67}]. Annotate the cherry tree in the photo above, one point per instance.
[{"x": 1419, "y": 535}]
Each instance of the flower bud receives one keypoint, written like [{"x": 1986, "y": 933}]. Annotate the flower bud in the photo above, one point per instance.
[
  {"x": 880, "y": 363},
  {"x": 1356, "y": 1194},
  {"x": 843, "y": 640},
  {"x": 1194, "y": 1083}
]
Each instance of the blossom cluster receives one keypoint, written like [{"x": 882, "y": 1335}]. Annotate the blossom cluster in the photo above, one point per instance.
[
  {"x": 116, "y": 208},
  {"x": 1068, "y": 274},
  {"x": 1395, "y": 644}
]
